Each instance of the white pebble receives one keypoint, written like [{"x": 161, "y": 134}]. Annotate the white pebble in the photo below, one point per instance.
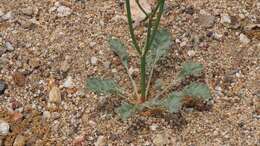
[
  {"x": 68, "y": 82},
  {"x": 244, "y": 39},
  {"x": 93, "y": 60},
  {"x": 63, "y": 11},
  {"x": 225, "y": 19},
  {"x": 4, "y": 127}
]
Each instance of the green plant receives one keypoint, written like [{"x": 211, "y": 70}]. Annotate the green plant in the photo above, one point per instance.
[{"x": 158, "y": 42}]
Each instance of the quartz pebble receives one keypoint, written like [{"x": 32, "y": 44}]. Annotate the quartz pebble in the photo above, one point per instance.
[
  {"x": 68, "y": 82},
  {"x": 93, "y": 60},
  {"x": 63, "y": 11},
  {"x": 244, "y": 39},
  {"x": 4, "y": 127}
]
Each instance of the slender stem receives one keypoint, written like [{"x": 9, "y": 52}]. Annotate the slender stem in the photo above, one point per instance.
[
  {"x": 141, "y": 8},
  {"x": 131, "y": 29},
  {"x": 143, "y": 78},
  {"x": 157, "y": 22},
  {"x": 132, "y": 81},
  {"x": 150, "y": 78}
]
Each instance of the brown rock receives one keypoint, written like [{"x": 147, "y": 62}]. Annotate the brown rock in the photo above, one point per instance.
[
  {"x": 55, "y": 95},
  {"x": 19, "y": 141},
  {"x": 19, "y": 79}
]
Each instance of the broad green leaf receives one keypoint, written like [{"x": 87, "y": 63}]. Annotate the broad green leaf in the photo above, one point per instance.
[
  {"x": 197, "y": 90},
  {"x": 190, "y": 69},
  {"x": 119, "y": 48},
  {"x": 126, "y": 110},
  {"x": 102, "y": 86},
  {"x": 159, "y": 48},
  {"x": 173, "y": 102}
]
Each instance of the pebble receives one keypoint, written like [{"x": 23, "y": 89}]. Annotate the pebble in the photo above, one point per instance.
[
  {"x": 244, "y": 39},
  {"x": 92, "y": 44},
  {"x": 93, "y": 60},
  {"x": 46, "y": 115},
  {"x": 8, "y": 16},
  {"x": 65, "y": 66},
  {"x": 4, "y": 127},
  {"x": 160, "y": 140},
  {"x": 191, "y": 53},
  {"x": 107, "y": 64},
  {"x": 63, "y": 11},
  {"x": 153, "y": 127},
  {"x": 207, "y": 21},
  {"x": 100, "y": 141},
  {"x": 1, "y": 13},
  {"x": 55, "y": 95},
  {"x": 28, "y": 11},
  {"x": 225, "y": 19},
  {"x": 3, "y": 86},
  {"x": 19, "y": 141},
  {"x": 19, "y": 79},
  {"x": 9, "y": 46},
  {"x": 68, "y": 82}
]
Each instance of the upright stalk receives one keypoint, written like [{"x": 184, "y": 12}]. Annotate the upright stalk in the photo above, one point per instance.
[
  {"x": 131, "y": 28},
  {"x": 143, "y": 78},
  {"x": 152, "y": 29}
]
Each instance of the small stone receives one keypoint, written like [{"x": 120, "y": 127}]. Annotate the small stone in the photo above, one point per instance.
[
  {"x": 63, "y": 11},
  {"x": 3, "y": 86},
  {"x": 1, "y": 13},
  {"x": 244, "y": 39},
  {"x": 9, "y": 46},
  {"x": 207, "y": 21},
  {"x": 19, "y": 141},
  {"x": 46, "y": 115},
  {"x": 34, "y": 63},
  {"x": 225, "y": 19},
  {"x": 28, "y": 11},
  {"x": 55, "y": 95},
  {"x": 153, "y": 127},
  {"x": 65, "y": 66},
  {"x": 191, "y": 53},
  {"x": 93, "y": 60},
  {"x": 92, "y": 44},
  {"x": 107, "y": 64},
  {"x": 100, "y": 141},
  {"x": 79, "y": 140},
  {"x": 19, "y": 79},
  {"x": 8, "y": 16},
  {"x": 68, "y": 82},
  {"x": 16, "y": 116},
  {"x": 4, "y": 127},
  {"x": 160, "y": 140}
]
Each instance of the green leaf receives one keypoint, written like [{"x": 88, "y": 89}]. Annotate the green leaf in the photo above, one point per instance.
[
  {"x": 126, "y": 110},
  {"x": 159, "y": 48},
  {"x": 119, "y": 48},
  {"x": 102, "y": 86},
  {"x": 197, "y": 90},
  {"x": 190, "y": 69},
  {"x": 173, "y": 102}
]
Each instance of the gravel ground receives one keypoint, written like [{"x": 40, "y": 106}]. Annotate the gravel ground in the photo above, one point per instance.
[{"x": 48, "y": 48}]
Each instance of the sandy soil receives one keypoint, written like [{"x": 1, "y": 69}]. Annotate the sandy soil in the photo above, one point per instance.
[{"x": 51, "y": 42}]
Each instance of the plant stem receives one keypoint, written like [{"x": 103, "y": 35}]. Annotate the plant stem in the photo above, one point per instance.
[
  {"x": 143, "y": 78},
  {"x": 141, "y": 8},
  {"x": 132, "y": 81},
  {"x": 155, "y": 28},
  {"x": 131, "y": 29},
  {"x": 150, "y": 78}
]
